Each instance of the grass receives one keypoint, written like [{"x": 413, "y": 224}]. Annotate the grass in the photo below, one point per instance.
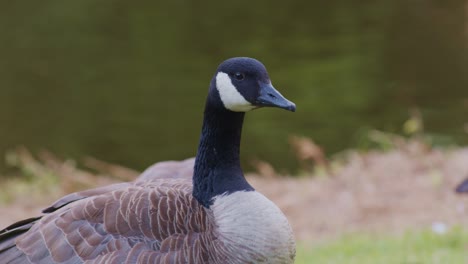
[{"x": 423, "y": 247}]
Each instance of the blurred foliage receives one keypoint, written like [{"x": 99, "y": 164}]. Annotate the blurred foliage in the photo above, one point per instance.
[
  {"x": 412, "y": 133},
  {"x": 44, "y": 176},
  {"x": 126, "y": 81}
]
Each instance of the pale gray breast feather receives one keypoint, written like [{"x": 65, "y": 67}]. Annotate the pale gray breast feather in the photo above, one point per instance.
[{"x": 252, "y": 227}]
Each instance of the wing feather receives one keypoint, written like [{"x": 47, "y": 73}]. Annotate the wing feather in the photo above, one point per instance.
[
  {"x": 152, "y": 220},
  {"x": 156, "y": 220}
]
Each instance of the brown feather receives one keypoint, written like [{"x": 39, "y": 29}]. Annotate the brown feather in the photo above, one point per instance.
[{"x": 155, "y": 219}]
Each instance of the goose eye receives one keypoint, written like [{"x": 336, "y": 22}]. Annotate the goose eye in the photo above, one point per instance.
[{"x": 239, "y": 76}]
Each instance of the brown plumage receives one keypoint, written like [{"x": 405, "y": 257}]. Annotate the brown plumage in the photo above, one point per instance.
[{"x": 117, "y": 223}]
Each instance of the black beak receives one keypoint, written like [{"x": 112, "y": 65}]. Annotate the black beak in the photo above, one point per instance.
[{"x": 269, "y": 96}]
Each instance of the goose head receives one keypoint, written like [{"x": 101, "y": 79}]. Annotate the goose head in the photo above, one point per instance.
[
  {"x": 242, "y": 84},
  {"x": 239, "y": 85}
]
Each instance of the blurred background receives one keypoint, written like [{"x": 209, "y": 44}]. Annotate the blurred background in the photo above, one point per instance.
[{"x": 125, "y": 82}]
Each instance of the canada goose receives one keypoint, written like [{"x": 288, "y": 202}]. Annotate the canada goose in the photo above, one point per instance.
[{"x": 216, "y": 217}]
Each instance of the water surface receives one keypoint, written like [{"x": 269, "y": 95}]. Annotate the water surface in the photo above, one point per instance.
[{"x": 126, "y": 81}]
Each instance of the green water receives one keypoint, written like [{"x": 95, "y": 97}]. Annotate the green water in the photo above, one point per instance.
[{"x": 125, "y": 81}]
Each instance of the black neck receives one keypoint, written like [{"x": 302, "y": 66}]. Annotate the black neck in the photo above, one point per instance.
[{"x": 217, "y": 165}]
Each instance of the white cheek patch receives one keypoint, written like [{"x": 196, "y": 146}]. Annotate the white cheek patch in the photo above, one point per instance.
[{"x": 230, "y": 97}]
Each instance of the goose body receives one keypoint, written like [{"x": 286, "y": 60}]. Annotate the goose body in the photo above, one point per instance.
[{"x": 192, "y": 211}]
